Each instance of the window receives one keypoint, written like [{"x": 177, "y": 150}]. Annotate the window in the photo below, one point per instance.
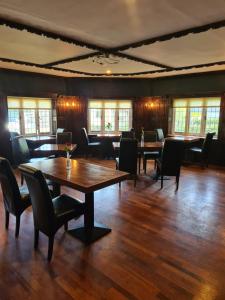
[
  {"x": 29, "y": 116},
  {"x": 196, "y": 116},
  {"x": 109, "y": 116}
]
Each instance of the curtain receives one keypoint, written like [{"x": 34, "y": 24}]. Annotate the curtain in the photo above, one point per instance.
[{"x": 5, "y": 145}]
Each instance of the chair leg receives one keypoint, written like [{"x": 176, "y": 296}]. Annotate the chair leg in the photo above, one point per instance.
[
  {"x": 66, "y": 226},
  {"x": 50, "y": 247},
  {"x": 139, "y": 165},
  {"x": 161, "y": 181},
  {"x": 155, "y": 164},
  {"x": 135, "y": 180},
  {"x": 144, "y": 164},
  {"x": 36, "y": 238},
  {"x": 120, "y": 184},
  {"x": 17, "y": 226},
  {"x": 177, "y": 182},
  {"x": 6, "y": 219},
  {"x": 22, "y": 179}
]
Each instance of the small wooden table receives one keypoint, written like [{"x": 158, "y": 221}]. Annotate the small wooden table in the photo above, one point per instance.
[
  {"x": 185, "y": 139},
  {"x": 148, "y": 146},
  {"x": 57, "y": 147},
  {"x": 87, "y": 178}
]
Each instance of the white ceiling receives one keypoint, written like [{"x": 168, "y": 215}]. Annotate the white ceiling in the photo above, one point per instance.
[{"x": 111, "y": 24}]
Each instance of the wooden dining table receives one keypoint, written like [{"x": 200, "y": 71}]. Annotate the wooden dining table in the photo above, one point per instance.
[
  {"x": 56, "y": 149},
  {"x": 86, "y": 178},
  {"x": 147, "y": 146}
]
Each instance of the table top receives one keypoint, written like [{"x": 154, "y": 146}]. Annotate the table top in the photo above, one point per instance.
[
  {"x": 56, "y": 147},
  {"x": 183, "y": 138},
  {"x": 84, "y": 177},
  {"x": 147, "y": 146},
  {"x": 40, "y": 138}
]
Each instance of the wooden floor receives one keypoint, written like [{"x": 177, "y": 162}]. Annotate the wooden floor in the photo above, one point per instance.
[{"x": 163, "y": 245}]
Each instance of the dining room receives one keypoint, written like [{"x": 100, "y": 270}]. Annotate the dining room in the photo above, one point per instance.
[{"x": 112, "y": 150}]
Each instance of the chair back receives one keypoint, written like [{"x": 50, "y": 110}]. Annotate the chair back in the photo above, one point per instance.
[
  {"x": 150, "y": 136},
  {"x": 172, "y": 156},
  {"x": 128, "y": 134},
  {"x": 43, "y": 211},
  {"x": 64, "y": 138},
  {"x": 10, "y": 189},
  {"x": 13, "y": 134},
  {"x": 60, "y": 130},
  {"x": 20, "y": 150},
  {"x": 128, "y": 155},
  {"x": 160, "y": 134},
  {"x": 84, "y": 137},
  {"x": 207, "y": 143}
]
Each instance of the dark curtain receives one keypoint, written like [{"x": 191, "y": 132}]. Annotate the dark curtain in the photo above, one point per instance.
[
  {"x": 151, "y": 113},
  {"x": 72, "y": 115},
  {"x": 5, "y": 145}
]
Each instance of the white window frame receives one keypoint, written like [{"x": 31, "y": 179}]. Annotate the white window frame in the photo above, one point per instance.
[
  {"x": 21, "y": 115},
  {"x": 117, "y": 109},
  {"x": 187, "y": 121}
]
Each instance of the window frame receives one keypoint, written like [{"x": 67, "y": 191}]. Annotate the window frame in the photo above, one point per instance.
[
  {"x": 37, "y": 116},
  {"x": 103, "y": 109},
  {"x": 188, "y": 107}
]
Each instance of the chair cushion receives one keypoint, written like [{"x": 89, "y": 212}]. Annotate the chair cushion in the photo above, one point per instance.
[
  {"x": 67, "y": 208},
  {"x": 196, "y": 150}
]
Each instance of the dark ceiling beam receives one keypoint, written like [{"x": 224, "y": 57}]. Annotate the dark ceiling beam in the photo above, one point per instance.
[
  {"x": 70, "y": 59},
  {"x": 48, "y": 34},
  {"x": 115, "y": 74},
  {"x": 142, "y": 60},
  {"x": 166, "y": 37}
]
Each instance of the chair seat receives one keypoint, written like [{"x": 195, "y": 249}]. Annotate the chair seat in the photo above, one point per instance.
[
  {"x": 66, "y": 208},
  {"x": 25, "y": 197},
  {"x": 151, "y": 155},
  {"x": 96, "y": 144},
  {"x": 196, "y": 150}
]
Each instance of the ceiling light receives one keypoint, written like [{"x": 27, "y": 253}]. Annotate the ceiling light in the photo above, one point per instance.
[
  {"x": 108, "y": 72},
  {"x": 106, "y": 59}
]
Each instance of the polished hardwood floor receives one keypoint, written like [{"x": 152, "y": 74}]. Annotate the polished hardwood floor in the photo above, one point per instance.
[{"x": 163, "y": 245}]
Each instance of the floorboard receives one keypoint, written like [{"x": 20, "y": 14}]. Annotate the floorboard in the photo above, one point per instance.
[{"x": 163, "y": 245}]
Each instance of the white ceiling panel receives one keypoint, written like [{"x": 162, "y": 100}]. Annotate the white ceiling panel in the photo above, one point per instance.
[
  {"x": 116, "y": 22},
  {"x": 25, "y": 46},
  {"x": 13, "y": 66},
  {"x": 124, "y": 66},
  {"x": 193, "y": 49}
]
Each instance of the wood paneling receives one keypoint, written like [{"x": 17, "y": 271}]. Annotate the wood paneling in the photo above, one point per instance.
[
  {"x": 163, "y": 245},
  {"x": 151, "y": 113},
  {"x": 72, "y": 117},
  {"x": 5, "y": 145}
]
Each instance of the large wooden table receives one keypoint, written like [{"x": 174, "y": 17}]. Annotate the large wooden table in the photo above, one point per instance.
[
  {"x": 183, "y": 138},
  {"x": 87, "y": 178}
]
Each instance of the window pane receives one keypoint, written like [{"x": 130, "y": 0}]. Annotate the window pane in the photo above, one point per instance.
[
  {"x": 110, "y": 119},
  {"x": 212, "y": 119},
  {"x": 29, "y": 103},
  {"x": 180, "y": 119},
  {"x": 195, "y": 120},
  {"x": 29, "y": 121},
  {"x": 14, "y": 120},
  {"x": 124, "y": 117},
  {"x": 44, "y": 121},
  {"x": 95, "y": 119}
]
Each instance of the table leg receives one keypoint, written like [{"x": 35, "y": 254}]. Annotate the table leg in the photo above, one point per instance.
[{"x": 91, "y": 231}]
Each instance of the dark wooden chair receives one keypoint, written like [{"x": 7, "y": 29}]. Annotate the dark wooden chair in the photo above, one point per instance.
[
  {"x": 160, "y": 135},
  {"x": 21, "y": 155},
  {"x": 87, "y": 145},
  {"x": 150, "y": 136},
  {"x": 203, "y": 152},
  {"x": 169, "y": 163},
  {"x": 15, "y": 199},
  {"x": 49, "y": 213},
  {"x": 128, "y": 134},
  {"x": 64, "y": 138},
  {"x": 128, "y": 155}
]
